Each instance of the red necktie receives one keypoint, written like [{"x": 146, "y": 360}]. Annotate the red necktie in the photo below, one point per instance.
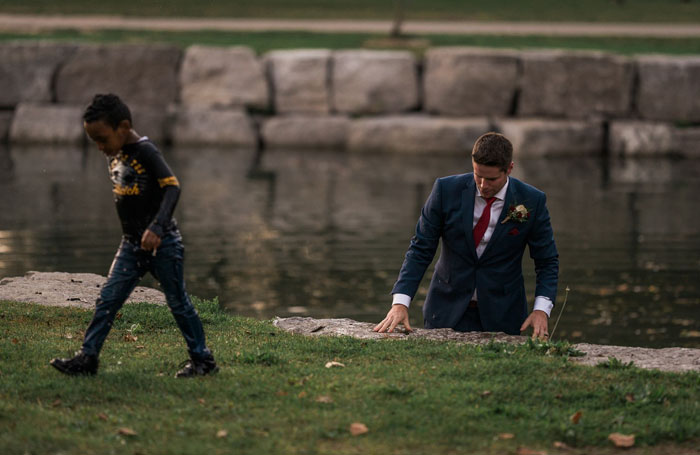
[{"x": 483, "y": 222}]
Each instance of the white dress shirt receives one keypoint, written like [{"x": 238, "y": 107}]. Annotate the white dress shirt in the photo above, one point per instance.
[{"x": 541, "y": 303}]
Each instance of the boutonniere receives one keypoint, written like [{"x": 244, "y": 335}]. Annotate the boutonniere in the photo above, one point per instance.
[{"x": 518, "y": 213}]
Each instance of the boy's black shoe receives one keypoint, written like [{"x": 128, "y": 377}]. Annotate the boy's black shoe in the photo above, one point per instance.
[
  {"x": 80, "y": 364},
  {"x": 192, "y": 367}
]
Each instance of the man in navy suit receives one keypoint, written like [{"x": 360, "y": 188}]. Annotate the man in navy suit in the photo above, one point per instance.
[{"x": 485, "y": 220}]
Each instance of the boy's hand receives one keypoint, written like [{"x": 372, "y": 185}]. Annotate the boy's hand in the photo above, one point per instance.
[{"x": 149, "y": 240}]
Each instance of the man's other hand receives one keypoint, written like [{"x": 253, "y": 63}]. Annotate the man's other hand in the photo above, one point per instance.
[
  {"x": 538, "y": 320},
  {"x": 149, "y": 240},
  {"x": 397, "y": 315}
]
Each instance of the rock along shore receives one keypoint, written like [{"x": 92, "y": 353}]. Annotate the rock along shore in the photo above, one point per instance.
[
  {"x": 81, "y": 290},
  {"x": 549, "y": 102}
]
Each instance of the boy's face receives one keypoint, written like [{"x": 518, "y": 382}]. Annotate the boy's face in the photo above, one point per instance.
[{"x": 109, "y": 140}]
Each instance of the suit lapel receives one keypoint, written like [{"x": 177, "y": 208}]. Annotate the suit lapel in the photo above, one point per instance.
[
  {"x": 500, "y": 227},
  {"x": 468, "y": 195}
]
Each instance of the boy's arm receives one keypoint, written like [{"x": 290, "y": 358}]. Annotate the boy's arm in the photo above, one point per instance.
[{"x": 171, "y": 192}]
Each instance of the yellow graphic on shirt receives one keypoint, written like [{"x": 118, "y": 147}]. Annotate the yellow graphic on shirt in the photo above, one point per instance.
[
  {"x": 137, "y": 167},
  {"x": 168, "y": 181},
  {"x": 123, "y": 190}
]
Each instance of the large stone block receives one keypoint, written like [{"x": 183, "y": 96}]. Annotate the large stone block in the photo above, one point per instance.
[
  {"x": 300, "y": 80},
  {"x": 139, "y": 74},
  {"x": 634, "y": 137},
  {"x": 151, "y": 121},
  {"x": 213, "y": 127},
  {"x": 47, "y": 123},
  {"x": 575, "y": 84},
  {"x": 540, "y": 137},
  {"x": 415, "y": 134},
  {"x": 669, "y": 88},
  {"x": 687, "y": 141},
  {"x": 470, "y": 81},
  {"x": 223, "y": 77},
  {"x": 306, "y": 131},
  {"x": 27, "y": 70},
  {"x": 374, "y": 82}
]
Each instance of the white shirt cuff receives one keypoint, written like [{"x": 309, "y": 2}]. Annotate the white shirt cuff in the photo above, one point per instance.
[
  {"x": 402, "y": 299},
  {"x": 543, "y": 304}
]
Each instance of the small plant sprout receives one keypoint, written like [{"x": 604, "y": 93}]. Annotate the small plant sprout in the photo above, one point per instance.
[{"x": 566, "y": 297}]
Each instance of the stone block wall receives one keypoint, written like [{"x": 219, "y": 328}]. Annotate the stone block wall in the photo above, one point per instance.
[
  {"x": 470, "y": 81},
  {"x": 548, "y": 102}
]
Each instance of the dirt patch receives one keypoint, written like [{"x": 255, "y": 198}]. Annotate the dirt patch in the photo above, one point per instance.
[{"x": 66, "y": 289}]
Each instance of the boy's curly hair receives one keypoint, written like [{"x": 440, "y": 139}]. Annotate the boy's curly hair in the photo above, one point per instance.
[{"x": 108, "y": 108}]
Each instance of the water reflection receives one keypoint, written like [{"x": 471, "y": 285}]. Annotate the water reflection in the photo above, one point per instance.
[{"x": 324, "y": 233}]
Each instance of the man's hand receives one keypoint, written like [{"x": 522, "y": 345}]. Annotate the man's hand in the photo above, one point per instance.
[
  {"x": 149, "y": 240},
  {"x": 397, "y": 315},
  {"x": 538, "y": 320}
]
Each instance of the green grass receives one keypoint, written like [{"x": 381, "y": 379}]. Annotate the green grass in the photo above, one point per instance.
[
  {"x": 264, "y": 41},
  {"x": 414, "y": 396},
  {"x": 486, "y": 10}
]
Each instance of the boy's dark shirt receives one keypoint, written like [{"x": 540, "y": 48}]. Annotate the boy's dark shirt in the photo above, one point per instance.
[{"x": 145, "y": 190}]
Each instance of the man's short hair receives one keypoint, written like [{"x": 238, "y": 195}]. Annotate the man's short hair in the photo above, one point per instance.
[
  {"x": 493, "y": 149},
  {"x": 108, "y": 108}
]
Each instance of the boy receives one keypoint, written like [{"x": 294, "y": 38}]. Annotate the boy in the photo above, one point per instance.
[{"x": 145, "y": 192}]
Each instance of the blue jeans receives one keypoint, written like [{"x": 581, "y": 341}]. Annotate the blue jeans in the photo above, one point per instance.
[{"x": 130, "y": 264}]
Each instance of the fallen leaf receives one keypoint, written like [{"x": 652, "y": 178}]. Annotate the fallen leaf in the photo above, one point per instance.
[
  {"x": 334, "y": 364},
  {"x": 324, "y": 399},
  {"x": 281, "y": 393},
  {"x": 560, "y": 445},
  {"x": 140, "y": 346},
  {"x": 102, "y": 416},
  {"x": 302, "y": 394},
  {"x": 526, "y": 451},
  {"x": 629, "y": 397},
  {"x": 201, "y": 400},
  {"x": 69, "y": 336},
  {"x": 130, "y": 337},
  {"x": 622, "y": 440},
  {"x": 358, "y": 428},
  {"x": 126, "y": 431},
  {"x": 56, "y": 403},
  {"x": 576, "y": 417},
  {"x": 505, "y": 436},
  {"x": 15, "y": 341},
  {"x": 485, "y": 393},
  {"x": 221, "y": 434}
]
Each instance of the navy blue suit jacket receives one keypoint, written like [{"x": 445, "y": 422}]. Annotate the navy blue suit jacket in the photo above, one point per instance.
[{"x": 497, "y": 274}]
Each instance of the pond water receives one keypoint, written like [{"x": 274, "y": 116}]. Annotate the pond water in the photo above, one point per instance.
[{"x": 323, "y": 234}]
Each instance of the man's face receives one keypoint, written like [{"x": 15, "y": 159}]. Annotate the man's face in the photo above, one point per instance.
[
  {"x": 109, "y": 140},
  {"x": 490, "y": 179}
]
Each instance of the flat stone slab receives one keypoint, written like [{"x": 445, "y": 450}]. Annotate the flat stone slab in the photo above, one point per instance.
[
  {"x": 667, "y": 359},
  {"x": 66, "y": 289}
]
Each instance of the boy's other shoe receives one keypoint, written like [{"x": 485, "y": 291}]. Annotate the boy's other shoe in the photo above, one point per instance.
[
  {"x": 81, "y": 364},
  {"x": 192, "y": 367}
]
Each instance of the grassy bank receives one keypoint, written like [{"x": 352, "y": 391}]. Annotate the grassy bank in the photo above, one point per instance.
[
  {"x": 275, "y": 395},
  {"x": 264, "y": 41},
  {"x": 509, "y": 10}
]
